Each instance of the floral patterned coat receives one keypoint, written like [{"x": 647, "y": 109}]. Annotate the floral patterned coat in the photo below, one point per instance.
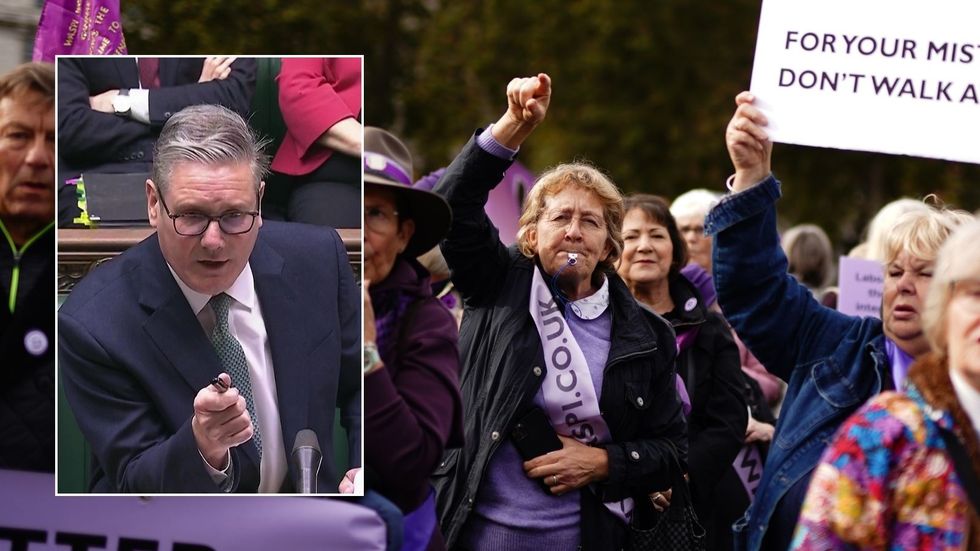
[{"x": 887, "y": 480}]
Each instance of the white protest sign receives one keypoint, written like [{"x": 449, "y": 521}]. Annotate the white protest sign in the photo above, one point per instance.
[
  {"x": 860, "y": 284},
  {"x": 892, "y": 76}
]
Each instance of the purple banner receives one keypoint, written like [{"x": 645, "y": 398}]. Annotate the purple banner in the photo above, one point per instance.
[
  {"x": 507, "y": 200},
  {"x": 79, "y": 27},
  {"x": 748, "y": 464},
  {"x": 32, "y": 518}
]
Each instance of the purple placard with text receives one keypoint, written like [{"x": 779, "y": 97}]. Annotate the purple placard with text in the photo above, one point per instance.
[
  {"x": 33, "y": 519},
  {"x": 82, "y": 27},
  {"x": 860, "y": 282}
]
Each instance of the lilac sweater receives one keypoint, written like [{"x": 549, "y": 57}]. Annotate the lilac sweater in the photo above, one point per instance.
[{"x": 511, "y": 510}]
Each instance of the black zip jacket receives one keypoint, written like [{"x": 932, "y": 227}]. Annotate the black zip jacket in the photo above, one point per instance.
[
  {"x": 27, "y": 356},
  {"x": 503, "y": 367},
  {"x": 712, "y": 372}
]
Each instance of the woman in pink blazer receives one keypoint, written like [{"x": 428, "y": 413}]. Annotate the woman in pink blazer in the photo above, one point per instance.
[{"x": 320, "y": 100}]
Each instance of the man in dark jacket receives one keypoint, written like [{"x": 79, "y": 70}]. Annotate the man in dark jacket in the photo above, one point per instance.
[{"x": 27, "y": 268}]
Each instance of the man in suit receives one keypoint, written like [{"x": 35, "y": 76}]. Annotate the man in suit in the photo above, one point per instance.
[
  {"x": 27, "y": 268},
  {"x": 272, "y": 308},
  {"x": 111, "y": 109}
]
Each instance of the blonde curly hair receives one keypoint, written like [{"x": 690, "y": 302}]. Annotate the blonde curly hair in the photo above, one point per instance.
[{"x": 578, "y": 175}]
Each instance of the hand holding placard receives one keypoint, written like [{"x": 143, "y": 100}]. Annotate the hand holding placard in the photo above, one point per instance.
[
  {"x": 903, "y": 83},
  {"x": 748, "y": 143}
]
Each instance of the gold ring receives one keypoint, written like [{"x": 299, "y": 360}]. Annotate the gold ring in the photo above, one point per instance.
[{"x": 554, "y": 480}]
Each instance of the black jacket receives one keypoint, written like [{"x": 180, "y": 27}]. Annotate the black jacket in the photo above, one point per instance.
[
  {"x": 500, "y": 349},
  {"x": 711, "y": 370},
  {"x": 27, "y": 368},
  {"x": 104, "y": 142}
]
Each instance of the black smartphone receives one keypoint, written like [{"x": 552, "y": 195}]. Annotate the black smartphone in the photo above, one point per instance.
[{"x": 533, "y": 435}]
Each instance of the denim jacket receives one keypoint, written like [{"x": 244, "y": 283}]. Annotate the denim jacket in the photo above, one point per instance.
[{"x": 833, "y": 363}]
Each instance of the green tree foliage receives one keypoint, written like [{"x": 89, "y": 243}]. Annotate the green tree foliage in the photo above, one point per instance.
[{"x": 642, "y": 89}]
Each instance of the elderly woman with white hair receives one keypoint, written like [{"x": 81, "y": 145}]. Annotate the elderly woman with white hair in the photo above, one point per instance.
[
  {"x": 689, "y": 210},
  {"x": 899, "y": 472}
]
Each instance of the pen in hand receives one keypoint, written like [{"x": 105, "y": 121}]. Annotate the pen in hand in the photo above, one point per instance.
[{"x": 219, "y": 383}]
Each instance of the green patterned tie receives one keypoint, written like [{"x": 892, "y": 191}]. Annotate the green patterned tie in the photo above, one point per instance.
[{"x": 233, "y": 358}]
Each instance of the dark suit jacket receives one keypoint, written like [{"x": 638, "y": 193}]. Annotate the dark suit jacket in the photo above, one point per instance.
[
  {"x": 89, "y": 140},
  {"x": 133, "y": 356}
]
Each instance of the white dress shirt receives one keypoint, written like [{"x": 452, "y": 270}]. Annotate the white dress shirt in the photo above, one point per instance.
[
  {"x": 139, "y": 106},
  {"x": 246, "y": 324}
]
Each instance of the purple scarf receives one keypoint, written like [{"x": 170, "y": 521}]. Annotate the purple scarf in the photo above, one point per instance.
[
  {"x": 684, "y": 341},
  {"x": 900, "y": 362},
  {"x": 79, "y": 27}
]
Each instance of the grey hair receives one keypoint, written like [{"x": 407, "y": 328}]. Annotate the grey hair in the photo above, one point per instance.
[
  {"x": 958, "y": 259},
  {"x": 211, "y": 135},
  {"x": 810, "y": 255},
  {"x": 696, "y": 202}
]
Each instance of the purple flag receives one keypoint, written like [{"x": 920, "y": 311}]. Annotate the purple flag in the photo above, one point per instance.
[
  {"x": 507, "y": 201},
  {"x": 79, "y": 27}
]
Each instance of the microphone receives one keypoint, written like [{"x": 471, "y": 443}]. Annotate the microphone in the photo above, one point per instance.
[
  {"x": 572, "y": 258},
  {"x": 305, "y": 460}
]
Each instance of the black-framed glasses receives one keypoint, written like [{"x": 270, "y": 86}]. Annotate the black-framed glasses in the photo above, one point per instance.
[
  {"x": 194, "y": 224},
  {"x": 379, "y": 219}
]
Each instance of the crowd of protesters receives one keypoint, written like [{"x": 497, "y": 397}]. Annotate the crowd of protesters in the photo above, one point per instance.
[
  {"x": 694, "y": 323},
  {"x": 628, "y": 357}
]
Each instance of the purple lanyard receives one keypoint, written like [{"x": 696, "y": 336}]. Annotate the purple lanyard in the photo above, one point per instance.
[{"x": 900, "y": 362}]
